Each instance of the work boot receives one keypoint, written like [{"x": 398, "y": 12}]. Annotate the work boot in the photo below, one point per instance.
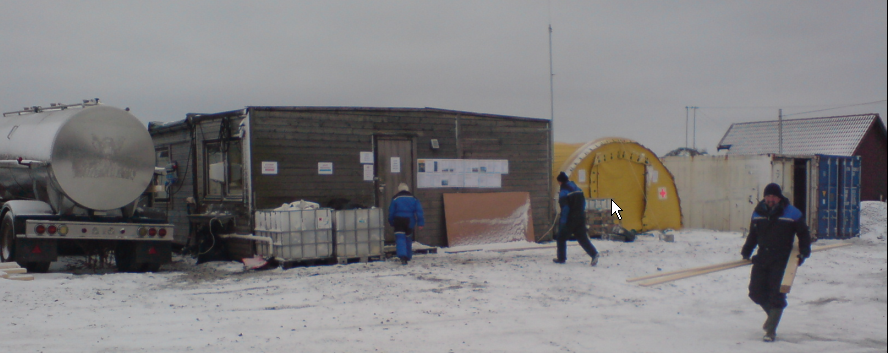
[
  {"x": 594, "y": 260},
  {"x": 771, "y": 325},
  {"x": 560, "y": 262},
  {"x": 767, "y": 309},
  {"x": 404, "y": 261}
]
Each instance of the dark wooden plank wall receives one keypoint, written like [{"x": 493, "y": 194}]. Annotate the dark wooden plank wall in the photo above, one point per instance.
[{"x": 299, "y": 139}]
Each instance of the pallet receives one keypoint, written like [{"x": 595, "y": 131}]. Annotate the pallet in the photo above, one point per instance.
[
  {"x": 288, "y": 264},
  {"x": 598, "y": 223},
  {"x": 390, "y": 250},
  {"x": 363, "y": 259}
]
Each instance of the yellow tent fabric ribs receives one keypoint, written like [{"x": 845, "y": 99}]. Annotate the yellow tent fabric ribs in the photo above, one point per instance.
[{"x": 627, "y": 172}]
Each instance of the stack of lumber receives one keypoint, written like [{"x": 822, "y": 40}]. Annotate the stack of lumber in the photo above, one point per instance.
[{"x": 11, "y": 270}]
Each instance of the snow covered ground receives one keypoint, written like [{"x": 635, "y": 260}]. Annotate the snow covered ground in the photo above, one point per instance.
[{"x": 473, "y": 301}]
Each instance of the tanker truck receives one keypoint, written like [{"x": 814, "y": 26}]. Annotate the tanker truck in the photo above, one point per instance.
[{"x": 73, "y": 174}]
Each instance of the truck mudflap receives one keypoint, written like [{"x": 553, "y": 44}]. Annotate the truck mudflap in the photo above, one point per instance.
[
  {"x": 142, "y": 256},
  {"x": 36, "y": 250}
]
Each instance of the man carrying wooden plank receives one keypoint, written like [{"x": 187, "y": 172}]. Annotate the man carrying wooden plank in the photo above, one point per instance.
[{"x": 775, "y": 224}]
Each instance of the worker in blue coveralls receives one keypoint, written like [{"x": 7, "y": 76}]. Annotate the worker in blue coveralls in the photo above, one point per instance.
[
  {"x": 775, "y": 223},
  {"x": 405, "y": 213},
  {"x": 573, "y": 220}
]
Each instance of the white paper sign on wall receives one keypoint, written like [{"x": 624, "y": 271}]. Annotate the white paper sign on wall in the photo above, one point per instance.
[
  {"x": 366, "y": 157},
  {"x": 396, "y": 164},
  {"x": 269, "y": 168},
  {"x": 581, "y": 175},
  {"x": 368, "y": 172},
  {"x": 325, "y": 168}
]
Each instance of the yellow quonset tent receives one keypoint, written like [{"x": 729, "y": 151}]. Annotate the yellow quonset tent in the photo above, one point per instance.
[{"x": 627, "y": 172}]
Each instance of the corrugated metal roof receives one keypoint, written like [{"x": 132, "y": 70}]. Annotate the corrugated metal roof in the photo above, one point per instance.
[{"x": 836, "y": 135}]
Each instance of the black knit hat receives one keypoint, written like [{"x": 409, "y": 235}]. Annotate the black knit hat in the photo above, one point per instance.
[
  {"x": 773, "y": 189},
  {"x": 562, "y": 178}
]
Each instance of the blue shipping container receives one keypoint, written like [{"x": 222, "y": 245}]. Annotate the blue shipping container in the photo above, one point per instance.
[{"x": 838, "y": 191}]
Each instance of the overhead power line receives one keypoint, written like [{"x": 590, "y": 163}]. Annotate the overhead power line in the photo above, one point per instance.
[{"x": 834, "y": 108}]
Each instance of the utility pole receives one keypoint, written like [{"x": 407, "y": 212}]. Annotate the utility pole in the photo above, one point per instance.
[
  {"x": 780, "y": 131},
  {"x": 687, "y": 115},
  {"x": 695, "y": 126}
]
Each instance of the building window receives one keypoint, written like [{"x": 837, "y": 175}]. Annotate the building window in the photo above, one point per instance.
[
  {"x": 162, "y": 159},
  {"x": 224, "y": 168}
]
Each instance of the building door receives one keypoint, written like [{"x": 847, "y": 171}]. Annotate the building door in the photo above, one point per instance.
[{"x": 394, "y": 165}]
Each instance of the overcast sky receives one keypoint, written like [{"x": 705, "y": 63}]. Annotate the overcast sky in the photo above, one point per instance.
[{"x": 622, "y": 68}]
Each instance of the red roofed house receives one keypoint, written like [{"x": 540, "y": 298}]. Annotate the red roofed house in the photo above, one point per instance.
[{"x": 851, "y": 135}]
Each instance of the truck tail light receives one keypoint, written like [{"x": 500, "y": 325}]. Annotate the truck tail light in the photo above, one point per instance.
[
  {"x": 40, "y": 229},
  {"x": 143, "y": 231},
  {"x": 52, "y": 229},
  {"x": 63, "y": 230},
  {"x": 152, "y": 232},
  {"x": 162, "y": 232}
]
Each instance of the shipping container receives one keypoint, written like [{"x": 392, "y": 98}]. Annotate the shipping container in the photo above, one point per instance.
[{"x": 720, "y": 192}]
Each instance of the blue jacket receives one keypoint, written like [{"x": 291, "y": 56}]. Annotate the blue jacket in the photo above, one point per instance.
[
  {"x": 405, "y": 205},
  {"x": 772, "y": 231},
  {"x": 572, "y": 202}
]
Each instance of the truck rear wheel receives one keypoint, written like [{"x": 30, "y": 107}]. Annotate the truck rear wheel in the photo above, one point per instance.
[
  {"x": 7, "y": 238},
  {"x": 150, "y": 267},
  {"x": 37, "y": 267},
  {"x": 123, "y": 256}
]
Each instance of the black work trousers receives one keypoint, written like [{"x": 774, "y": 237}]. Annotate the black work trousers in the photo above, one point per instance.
[
  {"x": 764, "y": 283},
  {"x": 578, "y": 229}
]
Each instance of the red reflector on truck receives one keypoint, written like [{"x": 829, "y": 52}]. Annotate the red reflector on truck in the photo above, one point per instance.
[
  {"x": 36, "y": 250},
  {"x": 152, "y": 251}
]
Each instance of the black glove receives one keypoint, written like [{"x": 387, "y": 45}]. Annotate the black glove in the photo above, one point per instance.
[
  {"x": 801, "y": 259},
  {"x": 745, "y": 256}
]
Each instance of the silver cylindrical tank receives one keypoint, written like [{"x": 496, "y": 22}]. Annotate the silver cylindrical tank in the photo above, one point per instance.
[{"x": 100, "y": 157}]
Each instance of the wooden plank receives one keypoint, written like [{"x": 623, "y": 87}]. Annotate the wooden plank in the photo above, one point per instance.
[
  {"x": 791, "y": 267},
  {"x": 661, "y": 280},
  {"x": 693, "y": 269},
  {"x": 3, "y": 274},
  {"x": 9, "y": 265},
  {"x": 15, "y": 271},
  {"x": 22, "y": 278},
  {"x": 681, "y": 274}
]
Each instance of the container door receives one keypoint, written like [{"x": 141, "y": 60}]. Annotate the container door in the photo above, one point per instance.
[
  {"x": 782, "y": 173},
  {"x": 394, "y": 165},
  {"x": 849, "y": 196},
  {"x": 827, "y": 188}
]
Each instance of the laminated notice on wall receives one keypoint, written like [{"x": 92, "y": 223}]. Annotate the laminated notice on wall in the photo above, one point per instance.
[
  {"x": 269, "y": 168},
  {"x": 368, "y": 172},
  {"x": 325, "y": 168},
  {"x": 467, "y": 173},
  {"x": 366, "y": 157},
  {"x": 396, "y": 164}
]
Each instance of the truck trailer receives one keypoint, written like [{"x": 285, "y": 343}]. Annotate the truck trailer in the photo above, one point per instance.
[{"x": 74, "y": 174}]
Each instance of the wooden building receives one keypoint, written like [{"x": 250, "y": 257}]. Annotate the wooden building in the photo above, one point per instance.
[{"x": 233, "y": 163}]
